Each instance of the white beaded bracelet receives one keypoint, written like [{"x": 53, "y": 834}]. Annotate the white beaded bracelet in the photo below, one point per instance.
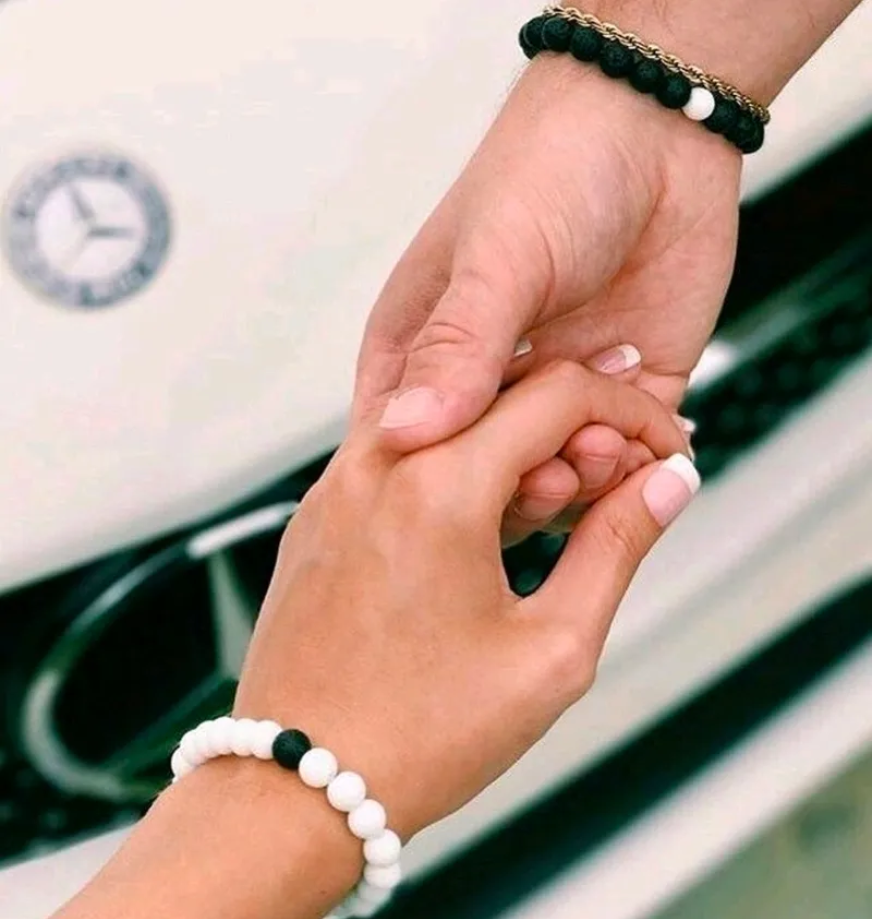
[{"x": 318, "y": 768}]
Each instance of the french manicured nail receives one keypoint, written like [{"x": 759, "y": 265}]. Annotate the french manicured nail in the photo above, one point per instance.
[
  {"x": 523, "y": 347},
  {"x": 688, "y": 425},
  {"x": 688, "y": 428},
  {"x": 413, "y": 407},
  {"x": 671, "y": 488},
  {"x": 616, "y": 360}
]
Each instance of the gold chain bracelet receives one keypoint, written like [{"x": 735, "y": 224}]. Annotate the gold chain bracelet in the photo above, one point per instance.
[{"x": 653, "y": 52}]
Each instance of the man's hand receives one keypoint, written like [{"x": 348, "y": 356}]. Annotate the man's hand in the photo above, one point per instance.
[{"x": 589, "y": 217}]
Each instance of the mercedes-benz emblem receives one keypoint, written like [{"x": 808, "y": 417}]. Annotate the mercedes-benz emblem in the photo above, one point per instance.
[{"x": 88, "y": 230}]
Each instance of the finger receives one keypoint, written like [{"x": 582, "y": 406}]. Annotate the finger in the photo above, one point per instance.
[
  {"x": 636, "y": 456},
  {"x": 413, "y": 289},
  {"x": 623, "y": 362},
  {"x": 542, "y": 494},
  {"x": 597, "y": 460},
  {"x": 606, "y": 548},
  {"x": 531, "y": 422},
  {"x": 455, "y": 365},
  {"x": 597, "y": 454}
]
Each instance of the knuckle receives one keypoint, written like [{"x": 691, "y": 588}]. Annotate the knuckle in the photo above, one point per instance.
[
  {"x": 449, "y": 332},
  {"x": 573, "y": 663},
  {"x": 567, "y": 373}
]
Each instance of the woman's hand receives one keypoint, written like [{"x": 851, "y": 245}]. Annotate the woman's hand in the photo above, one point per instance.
[
  {"x": 589, "y": 217},
  {"x": 390, "y": 635},
  {"x": 389, "y": 632}
]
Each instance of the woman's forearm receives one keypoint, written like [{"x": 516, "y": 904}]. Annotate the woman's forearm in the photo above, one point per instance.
[
  {"x": 757, "y": 45},
  {"x": 239, "y": 840}
]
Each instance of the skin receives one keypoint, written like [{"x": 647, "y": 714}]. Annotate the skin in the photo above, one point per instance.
[
  {"x": 388, "y": 586},
  {"x": 588, "y": 217}
]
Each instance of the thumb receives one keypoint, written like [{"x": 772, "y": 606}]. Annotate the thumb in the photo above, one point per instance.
[
  {"x": 456, "y": 363},
  {"x": 607, "y": 547}
]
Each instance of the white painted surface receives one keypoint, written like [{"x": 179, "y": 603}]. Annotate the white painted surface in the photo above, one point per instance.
[{"x": 712, "y": 817}]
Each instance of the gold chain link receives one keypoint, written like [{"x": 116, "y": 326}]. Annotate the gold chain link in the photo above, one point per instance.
[{"x": 653, "y": 52}]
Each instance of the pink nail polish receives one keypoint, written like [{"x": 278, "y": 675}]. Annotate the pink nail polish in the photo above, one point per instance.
[
  {"x": 671, "y": 489},
  {"x": 616, "y": 360},
  {"x": 413, "y": 407}
]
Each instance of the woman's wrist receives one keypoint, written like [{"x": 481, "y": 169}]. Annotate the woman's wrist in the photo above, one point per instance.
[
  {"x": 755, "y": 46},
  {"x": 240, "y": 839}
]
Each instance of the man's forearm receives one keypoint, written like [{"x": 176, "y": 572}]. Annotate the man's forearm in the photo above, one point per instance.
[{"x": 757, "y": 45}]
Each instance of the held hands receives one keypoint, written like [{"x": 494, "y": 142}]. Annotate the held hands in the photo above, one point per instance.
[
  {"x": 389, "y": 632},
  {"x": 588, "y": 217}
]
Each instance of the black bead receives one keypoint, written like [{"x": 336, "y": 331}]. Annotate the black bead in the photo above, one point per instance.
[
  {"x": 615, "y": 59},
  {"x": 755, "y": 141},
  {"x": 646, "y": 75},
  {"x": 742, "y": 131},
  {"x": 557, "y": 33},
  {"x": 586, "y": 44},
  {"x": 290, "y": 747},
  {"x": 531, "y": 36},
  {"x": 724, "y": 117},
  {"x": 674, "y": 91}
]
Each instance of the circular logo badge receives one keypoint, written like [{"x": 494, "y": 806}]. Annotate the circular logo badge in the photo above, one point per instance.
[{"x": 88, "y": 230}]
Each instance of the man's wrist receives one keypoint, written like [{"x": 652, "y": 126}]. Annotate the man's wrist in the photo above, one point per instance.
[{"x": 755, "y": 46}]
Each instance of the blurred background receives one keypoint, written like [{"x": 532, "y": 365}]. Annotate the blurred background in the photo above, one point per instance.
[{"x": 195, "y": 225}]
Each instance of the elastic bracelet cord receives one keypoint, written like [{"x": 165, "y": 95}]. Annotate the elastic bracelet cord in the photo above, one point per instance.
[
  {"x": 318, "y": 768},
  {"x": 722, "y": 108}
]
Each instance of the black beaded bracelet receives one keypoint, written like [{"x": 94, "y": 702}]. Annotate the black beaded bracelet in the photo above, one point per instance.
[{"x": 621, "y": 55}]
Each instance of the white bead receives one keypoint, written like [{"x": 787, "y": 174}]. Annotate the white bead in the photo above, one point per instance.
[
  {"x": 367, "y": 820},
  {"x": 318, "y": 768},
  {"x": 700, "y": 105},
  {"x": 242, "y": 736},
  {"x": 203, "y": 740},
  {"x": 387, "y": 878},
  {"x": 384, "y": 850},
  {"x": 221, "y": 735},
  {"x": 265, "y": 734},
  {"x": 190, "y": 749},
  {"x": 346, "y": 791},
  {"x": 179, "y": 764}
]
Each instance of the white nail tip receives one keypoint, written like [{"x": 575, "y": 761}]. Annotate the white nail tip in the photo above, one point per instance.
[
  {"x": 632, "y": 355},
  {"x": 685, "y": 470},
  {"x": 523, "y": 347}
]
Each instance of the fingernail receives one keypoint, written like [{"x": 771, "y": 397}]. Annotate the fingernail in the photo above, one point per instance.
[
  {"x": 523, "y": 347},
  {"x": 688, "y": 425},
  {"x": 688, "y": 428},
  {"x": 415, "y": 406},
  {"x": 616, "y": 360},
  {"x": 671, "y": 489},
  {"x": 597, "y": 470}
]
